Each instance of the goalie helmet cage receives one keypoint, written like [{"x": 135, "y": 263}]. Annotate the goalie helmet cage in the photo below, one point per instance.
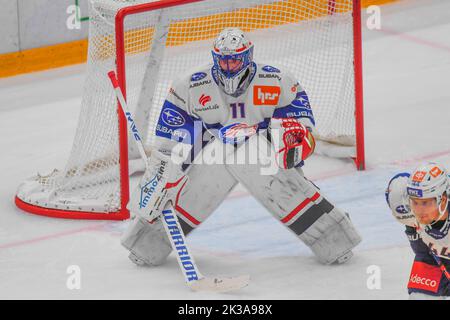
[{"x": 149, "y": 44}]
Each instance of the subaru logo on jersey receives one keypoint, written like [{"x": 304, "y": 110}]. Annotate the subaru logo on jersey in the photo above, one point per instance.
[
  {"x": 237, "y": 132},
  {"x": 414, "y": 192},
  {"x": 172, "y": 118},
  {"x": 301, "y": 100},
  {"x": 270, "y": 69},
  {"x": 198, "y": 76}
]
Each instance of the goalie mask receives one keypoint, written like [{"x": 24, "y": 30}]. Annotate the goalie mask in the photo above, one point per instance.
[
  {"x": 427, "y": 189},
  {"x": 233, "y": 56}
]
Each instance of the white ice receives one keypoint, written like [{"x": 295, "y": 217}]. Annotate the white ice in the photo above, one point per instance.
[{"x": 407, "y": 109}]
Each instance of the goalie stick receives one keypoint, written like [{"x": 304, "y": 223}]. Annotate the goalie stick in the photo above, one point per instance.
[{"x": 194, "y": 279}]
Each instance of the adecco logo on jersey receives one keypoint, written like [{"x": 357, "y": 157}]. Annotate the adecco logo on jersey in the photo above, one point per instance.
[
  {"x": 425, "y": 277},
  {"x": 266, "y": 95}
]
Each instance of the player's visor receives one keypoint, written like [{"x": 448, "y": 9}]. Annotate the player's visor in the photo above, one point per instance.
[{"x": 230, "y": 65}]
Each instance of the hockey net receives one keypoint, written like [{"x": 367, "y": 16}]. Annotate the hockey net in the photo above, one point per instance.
[{"x": 149, "y": 44}]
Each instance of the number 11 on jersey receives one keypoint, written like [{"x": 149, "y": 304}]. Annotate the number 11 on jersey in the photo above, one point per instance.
[{"x": 234, "y": 110}]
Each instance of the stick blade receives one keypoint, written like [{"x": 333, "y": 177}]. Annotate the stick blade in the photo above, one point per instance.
[{"x": 220, "y": 284}]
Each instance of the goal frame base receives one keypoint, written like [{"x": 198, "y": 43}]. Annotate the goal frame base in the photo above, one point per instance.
[{"x": 68, "y": 214}]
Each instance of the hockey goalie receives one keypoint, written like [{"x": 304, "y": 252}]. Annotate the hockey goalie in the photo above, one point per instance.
[
  {"x": 420, "y": 201},
  {"x": 225, "y": 106}
]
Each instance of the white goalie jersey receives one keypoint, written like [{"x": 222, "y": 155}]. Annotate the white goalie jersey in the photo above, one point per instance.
[{"x": 196, "y": 103}]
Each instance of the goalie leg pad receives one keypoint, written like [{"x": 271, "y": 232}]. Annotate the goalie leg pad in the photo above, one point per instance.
[
  {"x": 331, "y": 237},
  {"x": 147, "y": 242},
  {"x": 298, "y": 204},
  {"x": 208, "y": 186}
]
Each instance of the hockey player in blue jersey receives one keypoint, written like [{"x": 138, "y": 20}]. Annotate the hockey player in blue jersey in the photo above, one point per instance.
[
  {"x": 420, "y": 201},
  {"x": 230, "y": 102}
]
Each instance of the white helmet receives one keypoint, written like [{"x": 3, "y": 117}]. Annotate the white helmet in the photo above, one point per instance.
[
  {"x": 398, "y": 200},
  {"x": 427, "y": 181},
  {"x": 233, "y": 57}
]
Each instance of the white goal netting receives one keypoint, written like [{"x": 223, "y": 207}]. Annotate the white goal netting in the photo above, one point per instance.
[{"x": 312, "y": 38}]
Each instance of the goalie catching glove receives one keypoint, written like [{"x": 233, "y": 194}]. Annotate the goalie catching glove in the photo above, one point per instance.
[
  {"x": 295, "y": 142},
  {"x": 160, "y": 184}
]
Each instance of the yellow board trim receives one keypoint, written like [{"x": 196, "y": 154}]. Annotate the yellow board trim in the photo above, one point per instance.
[
  {"x": 70, "y": 53},
  {"x": 44, "y": 58}
]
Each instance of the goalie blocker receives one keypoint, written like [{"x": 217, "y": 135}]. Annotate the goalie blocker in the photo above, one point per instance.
[{"x": 287, "y": 195}]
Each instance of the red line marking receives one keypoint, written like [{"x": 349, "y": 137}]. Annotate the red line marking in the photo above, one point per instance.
[
  {"x": 342, "y": 172},
  {"x": 51, "y": 236},
  {"x": 415, "y": 39},
  {"x": 422, "y": 158}
]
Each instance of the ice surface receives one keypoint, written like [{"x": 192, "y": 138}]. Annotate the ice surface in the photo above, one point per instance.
[{"x": 407, "y": 110}]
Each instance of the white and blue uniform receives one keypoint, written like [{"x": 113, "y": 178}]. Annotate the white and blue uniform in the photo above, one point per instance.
[
  {"x": 196, "y": 103},
  {"x": 197, "y": 106}
]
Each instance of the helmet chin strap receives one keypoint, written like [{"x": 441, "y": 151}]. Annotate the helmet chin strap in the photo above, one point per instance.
[{"x": 443, "y": 211}]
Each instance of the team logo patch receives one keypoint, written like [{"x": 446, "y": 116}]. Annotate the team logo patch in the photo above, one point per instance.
[
  {"x": 435, "y": 172},
  {"x": 198, "y": 76},
  {"x": 172, "y": 118},
  {"x": 271, "y": 69},
  {"x": 204, "y": 99},
  {"x": 266, "y": 95},
  {"x": 418, "y": 176},
  {"x": 237, "y": 132}
]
